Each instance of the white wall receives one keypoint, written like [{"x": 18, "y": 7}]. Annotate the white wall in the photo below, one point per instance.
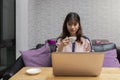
[
  {"x": 21, "y": 26},
  {"x": 99, "y": 18},
  {"x": 38, "y": 20}
]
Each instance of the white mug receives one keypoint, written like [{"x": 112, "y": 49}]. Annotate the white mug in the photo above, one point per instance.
[{"x": 72, "y": 39}]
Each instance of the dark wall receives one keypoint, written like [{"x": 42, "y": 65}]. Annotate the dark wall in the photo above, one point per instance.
[
  {"x": 7, "y": 33},
  {"x": 1, "y": 10}
]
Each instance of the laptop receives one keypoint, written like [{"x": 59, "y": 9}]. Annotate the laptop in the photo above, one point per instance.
[{"x": 77, "y": 64}]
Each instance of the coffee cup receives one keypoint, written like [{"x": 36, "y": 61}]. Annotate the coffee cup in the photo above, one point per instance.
[{"x": 72, "y": 39}]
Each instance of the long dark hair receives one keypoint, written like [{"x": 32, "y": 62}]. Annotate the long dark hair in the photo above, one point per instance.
[{"x": 65, "y": 33}]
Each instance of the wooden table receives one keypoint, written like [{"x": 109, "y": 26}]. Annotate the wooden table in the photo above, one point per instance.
[{"x": 47, "y": 74}]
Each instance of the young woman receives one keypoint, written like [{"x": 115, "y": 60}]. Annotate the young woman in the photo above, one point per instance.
[{"x": 72, "y": 28}]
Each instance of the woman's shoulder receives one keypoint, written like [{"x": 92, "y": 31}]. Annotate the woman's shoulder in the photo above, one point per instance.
[
  {"x": 84, "y": 40},
  {"x": 85, "y": 37}
]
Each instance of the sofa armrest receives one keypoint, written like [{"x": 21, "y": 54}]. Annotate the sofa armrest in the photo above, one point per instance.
[
  {"x": 2, "y": 70},
  {"x": 10, "y": 71},
  {"x": 118, "y": 53}
]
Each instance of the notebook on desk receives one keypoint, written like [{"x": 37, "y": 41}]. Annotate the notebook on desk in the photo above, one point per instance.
[{"x": 77, "y": 64}]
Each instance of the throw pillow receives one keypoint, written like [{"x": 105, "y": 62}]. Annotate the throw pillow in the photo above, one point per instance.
[
  {"x": 100, "y": 41},
  {"x": 37, "y": 57},
  {"x": 51, "y": 41},
  {"x": 110, "y": 59}
]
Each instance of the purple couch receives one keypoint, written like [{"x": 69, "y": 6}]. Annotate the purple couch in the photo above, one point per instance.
[{"x": 96, "y": 47}]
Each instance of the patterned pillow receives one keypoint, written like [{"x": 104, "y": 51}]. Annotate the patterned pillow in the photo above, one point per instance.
[{"x": 37, "y": 57}]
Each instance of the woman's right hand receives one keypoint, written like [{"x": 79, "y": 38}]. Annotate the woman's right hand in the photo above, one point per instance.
[
  {"x": 65, "y": 41},
  {"x": 62, "y": 43}
]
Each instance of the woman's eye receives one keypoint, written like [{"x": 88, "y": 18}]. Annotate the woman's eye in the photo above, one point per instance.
[
  {"x": 75, "y": 24},
  {"x": 70, "y": 24}
]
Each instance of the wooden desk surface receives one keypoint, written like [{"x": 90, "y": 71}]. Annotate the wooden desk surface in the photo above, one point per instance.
[{"x": 47, "y": 74}]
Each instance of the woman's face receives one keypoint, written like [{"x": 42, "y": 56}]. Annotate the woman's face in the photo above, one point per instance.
[{"x": 72, "y": 27}]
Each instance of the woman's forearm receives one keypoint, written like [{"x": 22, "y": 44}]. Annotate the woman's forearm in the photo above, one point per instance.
[{"x": 60, "y": 48}]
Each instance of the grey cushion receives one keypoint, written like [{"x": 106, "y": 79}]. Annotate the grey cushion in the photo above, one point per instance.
[{"x": 103, "y": 47}]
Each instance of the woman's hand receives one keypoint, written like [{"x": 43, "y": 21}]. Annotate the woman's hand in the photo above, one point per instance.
[
  {"x": 65, "y": 41},
  {"x": 62, "y": 43}
]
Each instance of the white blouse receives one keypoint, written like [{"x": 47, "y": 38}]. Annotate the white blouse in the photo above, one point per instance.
[{"x": 84, "y": 47}]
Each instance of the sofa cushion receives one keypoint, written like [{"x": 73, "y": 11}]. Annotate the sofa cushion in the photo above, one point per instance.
[
  {"x": 103, "y": 47},
  {"x": 110, "y": 59},
  {"x": 100, "y": 41},
  {"x": 37, "y": 57},
  {"x": 52, "y": 44},
  {"x": 51, "y": 41}
]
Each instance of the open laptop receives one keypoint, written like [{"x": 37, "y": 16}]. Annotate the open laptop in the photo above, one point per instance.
[{"x": 77, "y": 64}]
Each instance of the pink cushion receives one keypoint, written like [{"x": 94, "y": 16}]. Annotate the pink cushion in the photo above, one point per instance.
[
  {"x": 110, "y": 59},
  {"x": 37, "y": 57}
]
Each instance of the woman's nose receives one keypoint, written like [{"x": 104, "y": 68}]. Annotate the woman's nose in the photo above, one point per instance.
[{"x": 72, "y": 26}]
